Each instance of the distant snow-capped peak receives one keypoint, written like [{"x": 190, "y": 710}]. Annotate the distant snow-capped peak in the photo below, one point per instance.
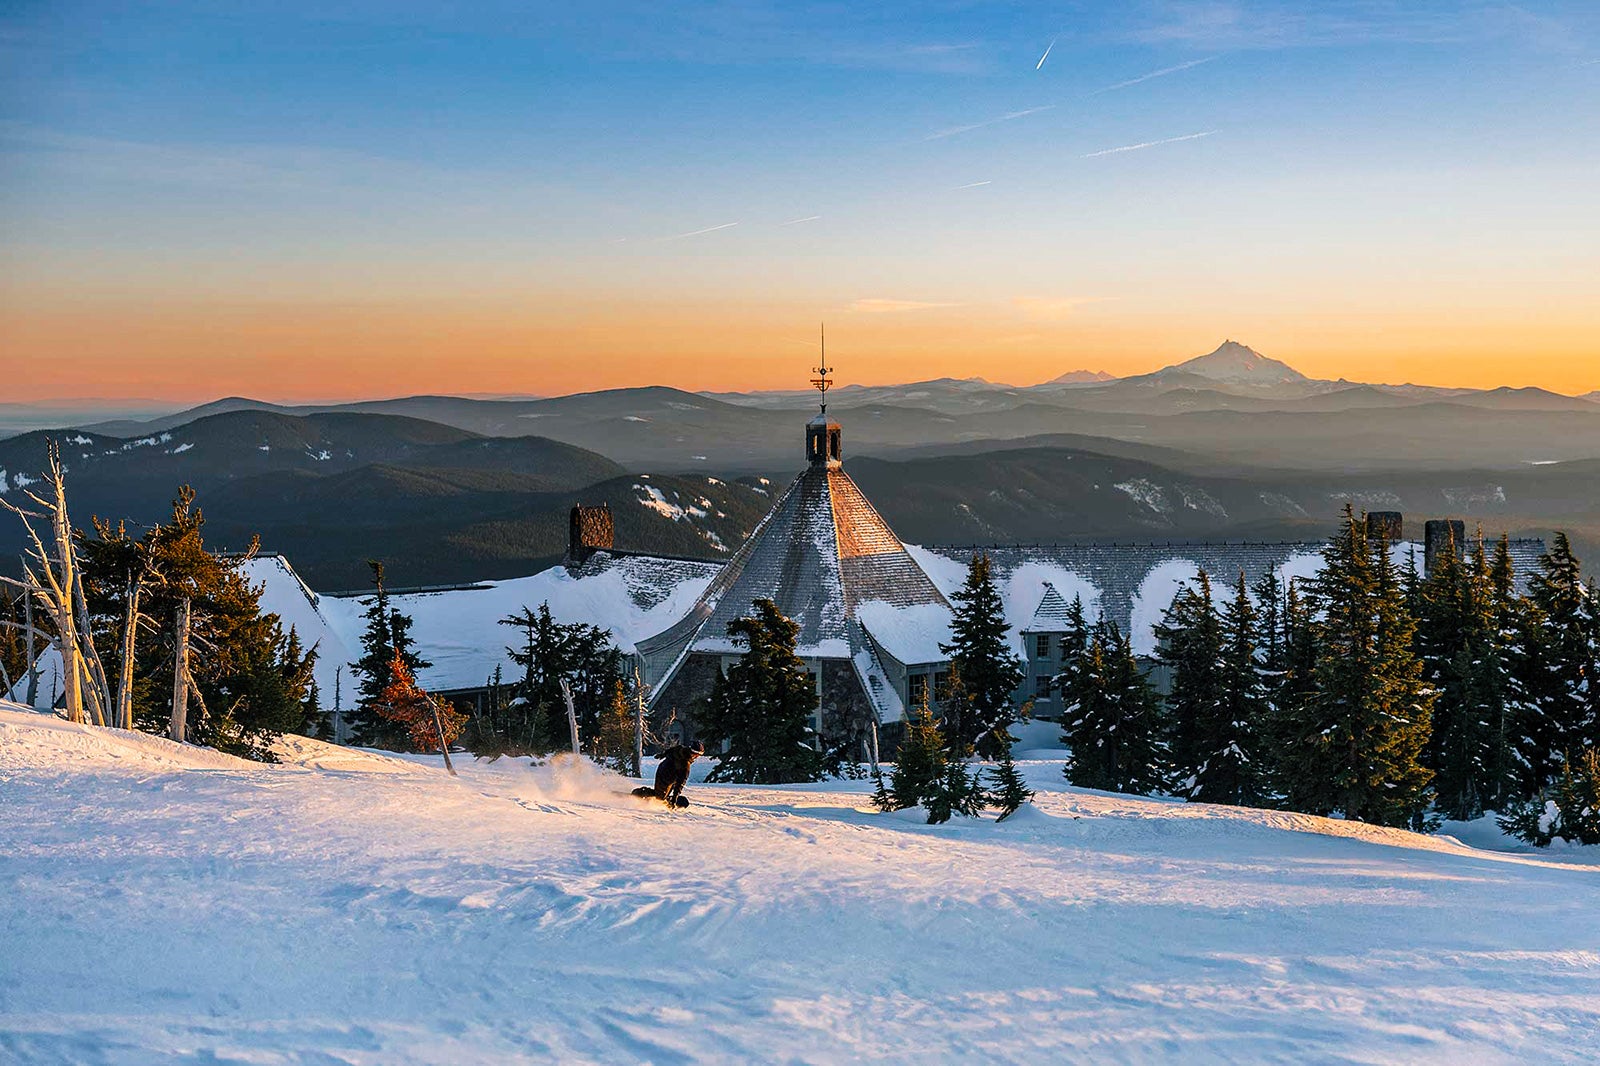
[{"x": 1240, "y": 364}]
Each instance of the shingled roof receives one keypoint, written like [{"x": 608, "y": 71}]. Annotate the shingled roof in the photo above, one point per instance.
[{"x": 820, "y": 554}]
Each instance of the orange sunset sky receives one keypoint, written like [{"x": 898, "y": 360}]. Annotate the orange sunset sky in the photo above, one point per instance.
[{"x": 294, "y": 205}]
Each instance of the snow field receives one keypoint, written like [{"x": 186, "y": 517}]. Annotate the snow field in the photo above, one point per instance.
[{"x": 165, "y": 903}]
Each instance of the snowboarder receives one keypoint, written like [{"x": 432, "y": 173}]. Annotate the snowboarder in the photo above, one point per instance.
[{"x": 672, "y": 775}]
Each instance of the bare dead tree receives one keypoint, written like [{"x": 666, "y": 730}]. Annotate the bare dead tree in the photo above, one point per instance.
[
  {"x": 58, "y": 586},
  {"x": 178, "y": 722},
  {"x": 438, "y": 726},
  {"x": 638, "y": 723},
  {"x": 572, "y": 715}
]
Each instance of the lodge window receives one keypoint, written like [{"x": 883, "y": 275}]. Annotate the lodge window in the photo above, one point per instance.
[
  {"x": 1041, "y": 646},
  {"x": 1041, "y": 685},
  {"x": 941, "y": 684},
  {"x": 917, "y": 689}
]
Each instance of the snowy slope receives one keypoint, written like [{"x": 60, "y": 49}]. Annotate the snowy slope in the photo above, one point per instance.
[{"x": 164, "y": 904}]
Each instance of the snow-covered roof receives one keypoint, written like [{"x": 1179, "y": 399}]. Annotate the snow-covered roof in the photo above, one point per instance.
[
  {"x": 911, "y": 633},
  {"x": 1052, "y": 615},
  {"x": 819, "y": 554},
  {"x": 458, "y": 629},
  {"x": 1133, "y": 584}
]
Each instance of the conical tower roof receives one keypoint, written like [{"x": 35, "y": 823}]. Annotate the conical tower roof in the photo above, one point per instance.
[{"x": 820, "y": 553}]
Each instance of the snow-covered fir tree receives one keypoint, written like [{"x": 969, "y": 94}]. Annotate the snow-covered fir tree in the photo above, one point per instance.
[
  {"x": 760, "y": 709},
  {"x": 1112, "y": 721},
  {"x": 1007, "y": 791},
  {"x": 1236, "y": 771},
  {"x": 1458, "y": 642},
  {"x": 1560, "y": 655},
  {"x": 1568, "y": 809},
  {"x": 980, "y": 650},
  {"x": 1355, "y": 742},
  {"x": 920, "y": 762},
  {"x": 1189, "y": 638}
]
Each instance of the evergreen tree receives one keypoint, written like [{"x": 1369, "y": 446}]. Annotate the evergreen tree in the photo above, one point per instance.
[
  {"x": 1355, "y": 742},
  {"x": 410, "y": 707},
  {"x": 252, "y": 680},
  {"x": 957, "y": 792},
  {"x": 550, "y": 652},
  {"x": 980, "y": 650},
  {"x": 1268, "y": 594},
  {"x": 1457, "y": 641},
  {"x": 1190, "y": 644},
  {"x": 920, "y": 764},
  {"x": 1507, "y": 691},
  {"x": 1568, "y": 810},
  {"x": 761, "y": 707},
  {"x": 387, "y": 637},
  {"x": 612, "y": 742},
  {"x": 14, "y": 643},
  {"x": 927, "y": 773},
  {"x": 1556, "y": 717},
  {"x": 1289, "y": 691},
  {"x": 1235, "y": 771},
  {"x": 881, "y": 799},
  {"x": 1112, "y": 721},
  {"x": 1008, "y": 792}
]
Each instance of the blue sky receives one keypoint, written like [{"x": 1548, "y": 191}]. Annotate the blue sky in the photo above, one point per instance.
[{"x": 1268, "y": 166}]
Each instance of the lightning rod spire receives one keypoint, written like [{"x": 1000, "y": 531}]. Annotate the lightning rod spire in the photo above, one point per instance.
[{"x": 822, "y": 382}]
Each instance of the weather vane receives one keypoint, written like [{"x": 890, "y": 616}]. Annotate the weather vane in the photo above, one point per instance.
[{"x": 822, "y": 382}]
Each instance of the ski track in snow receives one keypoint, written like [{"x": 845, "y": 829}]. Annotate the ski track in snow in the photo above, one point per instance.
[{"x": 165, "y": 903}]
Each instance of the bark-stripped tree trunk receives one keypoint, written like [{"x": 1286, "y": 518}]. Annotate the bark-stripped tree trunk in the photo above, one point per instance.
[
  {"x": 638, "y": 725},
  {"x": 58, "y": 588},
  {"x": 33, "y": 654},
  {"x": 572, "y": 714},
  {"x": 123, "y": 718},
  {"x": 438, "y": 726},
  {"x": 180, "y": 674},
  {"x": 98, "y": 685}
]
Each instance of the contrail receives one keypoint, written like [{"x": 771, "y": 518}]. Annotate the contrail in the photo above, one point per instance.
[
  {"x": 1149, "y": 144},
  {"x": 797, "y": 221},
  {"x": 698, "y": 232},
  {"x": 1046, "y": 55},
  {"x": 990, "y": 122},
  {"x": 1163, "y": 72},
  {"x": 972, "y": 185}
]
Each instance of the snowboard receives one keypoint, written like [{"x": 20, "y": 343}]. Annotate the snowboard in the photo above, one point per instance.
[{"x": 650, "y": 793}]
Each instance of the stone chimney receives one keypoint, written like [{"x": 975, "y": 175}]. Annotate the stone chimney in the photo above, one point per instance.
[
  {"x": 1390, "y": 525},
  {"x": 589, "y": 529},
  {"x": 1442, "y": 535}
]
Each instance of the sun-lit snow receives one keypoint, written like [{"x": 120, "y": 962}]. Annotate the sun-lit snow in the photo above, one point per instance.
[
  {"x": 1155, "y": 595},
  {"x": 165, "y": 903},
  {"x": 912, "y": 633}
]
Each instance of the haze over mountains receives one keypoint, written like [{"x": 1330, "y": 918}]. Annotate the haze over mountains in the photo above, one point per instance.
[{"x": 1228, "y": 444}]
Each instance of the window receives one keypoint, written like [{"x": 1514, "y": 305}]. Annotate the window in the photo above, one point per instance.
[
  {"x": 917, "y": 689},
  {"x": 1041, "y": 646},
  {"x": 941, "y": 684},
  {"x": 1041, "y": 685}
]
